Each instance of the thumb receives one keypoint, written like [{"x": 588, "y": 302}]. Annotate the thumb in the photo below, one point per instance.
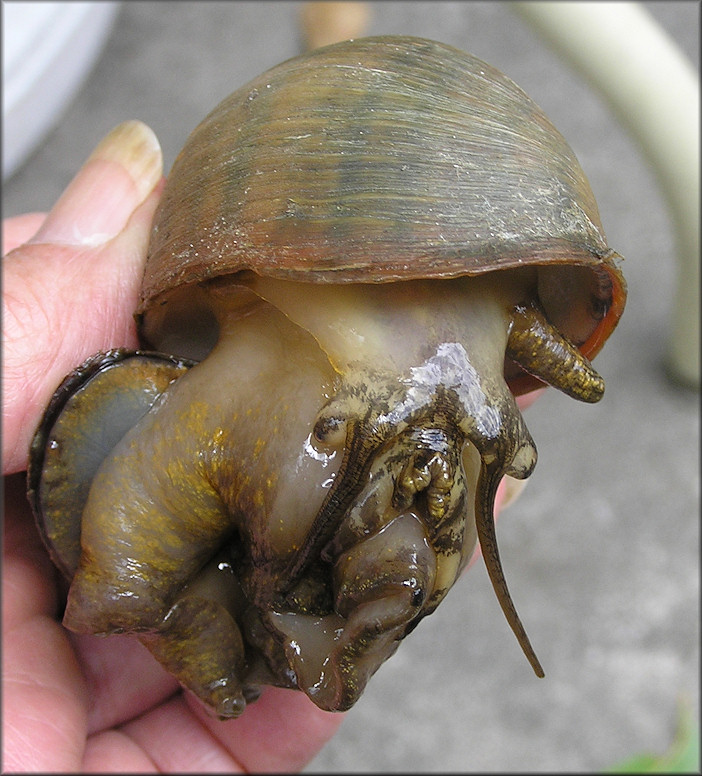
[
  {"x": 117, "y": 177},
  {"x": 71, "y": 290}
]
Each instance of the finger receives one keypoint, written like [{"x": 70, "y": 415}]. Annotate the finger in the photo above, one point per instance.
[
  {"x": 167, "y": 739},
  {"x": 113, "y": 751},
  {"x": 29, "y": 582},
  {"x": 116, "y": 679},
  {"x": 117, "y": 177},
  {"x": 44, "y": 700},
  {"x": 281, "y": 732},
  {"x": 123, "y": 678},
  {"x": 63, "y": 301},
  {"x": 525, "y": 401},
  {"x": 19, "y": 229},
  {"x": 44, "y": 709}
]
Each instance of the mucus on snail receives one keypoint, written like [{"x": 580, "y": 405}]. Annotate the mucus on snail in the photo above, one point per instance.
[{"x": 360, "y": 258}]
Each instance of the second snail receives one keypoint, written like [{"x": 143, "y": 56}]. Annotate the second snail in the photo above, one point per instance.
[{"x": 360, "y": 258}]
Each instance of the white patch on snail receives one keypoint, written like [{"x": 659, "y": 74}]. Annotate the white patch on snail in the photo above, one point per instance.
[
  {"x": 324, "y": 458},
  {"x": 449, "y": 368}
]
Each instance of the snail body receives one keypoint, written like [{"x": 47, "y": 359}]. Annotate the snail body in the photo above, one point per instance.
[{"x": 367, "y": 252}]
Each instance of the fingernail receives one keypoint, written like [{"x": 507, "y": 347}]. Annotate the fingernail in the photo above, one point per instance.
[{"x": 115, "y": 179}]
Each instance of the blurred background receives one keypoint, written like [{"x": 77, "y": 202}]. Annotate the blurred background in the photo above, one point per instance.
[{"x": 601, "y": 551}]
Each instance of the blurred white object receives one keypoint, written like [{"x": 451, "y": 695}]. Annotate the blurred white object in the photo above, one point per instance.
[
  {"x": 655, "y": 92},
  {"x": 48, "y": 50}
]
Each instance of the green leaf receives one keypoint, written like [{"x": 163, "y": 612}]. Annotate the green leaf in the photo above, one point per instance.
[{"x": 683, "y": 756}]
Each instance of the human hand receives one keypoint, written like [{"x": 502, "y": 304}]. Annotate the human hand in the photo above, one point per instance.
[{"x": 86, "y": 703}]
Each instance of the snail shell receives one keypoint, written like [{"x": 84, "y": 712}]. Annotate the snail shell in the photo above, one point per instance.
[{"x": 378, "y": 160}]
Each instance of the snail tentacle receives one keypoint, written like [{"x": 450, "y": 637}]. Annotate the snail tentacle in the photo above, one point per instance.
[{"x": 489, "y": 479}]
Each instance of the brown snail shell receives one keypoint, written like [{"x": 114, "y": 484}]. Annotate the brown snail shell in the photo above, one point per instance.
[{"x": 378, "y": 160}]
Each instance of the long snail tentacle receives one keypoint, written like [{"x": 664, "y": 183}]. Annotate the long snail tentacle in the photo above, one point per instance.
[{"x": 489, "y": 480}]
